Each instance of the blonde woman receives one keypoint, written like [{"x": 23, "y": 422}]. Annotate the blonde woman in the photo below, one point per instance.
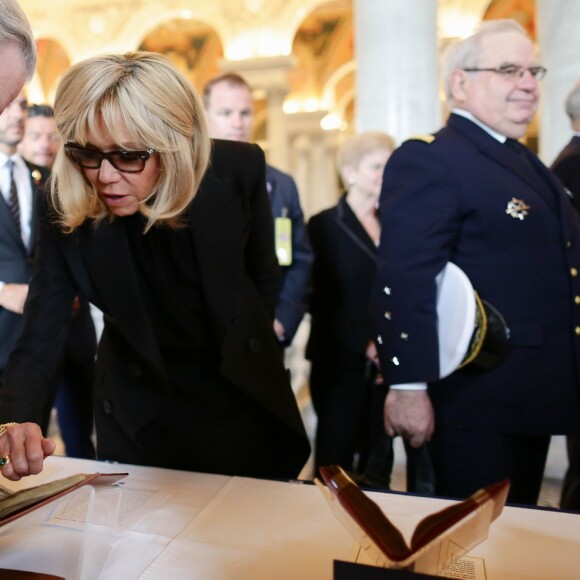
[{"x": 171, "y": 238}]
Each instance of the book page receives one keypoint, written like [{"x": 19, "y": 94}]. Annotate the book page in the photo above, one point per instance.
[{"x": 129, "y": 502}]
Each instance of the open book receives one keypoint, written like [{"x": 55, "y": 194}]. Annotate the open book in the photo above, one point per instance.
[
  {"x": 15, "y": 504},
  {"x": 438, "y": 540}
]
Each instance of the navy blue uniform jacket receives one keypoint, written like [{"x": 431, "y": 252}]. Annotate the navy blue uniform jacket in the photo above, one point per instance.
[{"x": 447, "y": 200}]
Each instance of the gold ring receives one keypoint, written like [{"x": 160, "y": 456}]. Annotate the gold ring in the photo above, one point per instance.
[{"x": 4, "y": 461}]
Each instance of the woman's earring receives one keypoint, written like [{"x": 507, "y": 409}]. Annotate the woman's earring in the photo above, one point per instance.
[{"x": 351, "y": 180}]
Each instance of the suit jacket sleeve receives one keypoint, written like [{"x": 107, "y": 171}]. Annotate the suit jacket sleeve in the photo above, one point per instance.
[
  {"x": 260, "y": 255},
  {"x": 295, "y": 278},
  {"x": 420, "y": 219}
]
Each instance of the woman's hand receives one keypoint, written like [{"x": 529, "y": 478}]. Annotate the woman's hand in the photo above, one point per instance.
[{"x": 23, "y": 450}]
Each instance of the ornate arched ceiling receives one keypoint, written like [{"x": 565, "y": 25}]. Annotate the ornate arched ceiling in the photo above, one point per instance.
[{"x": 197, "y": 35}]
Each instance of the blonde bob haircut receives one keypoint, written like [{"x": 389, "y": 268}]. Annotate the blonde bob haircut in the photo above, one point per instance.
[
  {"x": 142, "y": 95},
  {"x": 352, "y": 151}
]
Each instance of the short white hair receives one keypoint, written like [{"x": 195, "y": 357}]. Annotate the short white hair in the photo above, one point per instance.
[{"x": 466, "y": 52}]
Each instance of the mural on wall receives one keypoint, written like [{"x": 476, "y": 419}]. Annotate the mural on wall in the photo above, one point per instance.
[
  {"x": 52, "y": 61},
  {"x": 524, "y": 11},
  {"x": 322, "y": 45},
  {"x": 193, "y": 47}
]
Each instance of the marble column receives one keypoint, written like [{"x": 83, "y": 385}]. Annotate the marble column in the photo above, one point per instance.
[
  {"x": 558, "y": 26},
  {"x": 270, "y": 76},
  {"x": 312, "y": 152},
  {"x": 397, "y": 67}
]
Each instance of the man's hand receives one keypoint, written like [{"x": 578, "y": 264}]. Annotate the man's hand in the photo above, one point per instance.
[
  {"x": 13, "y": 297},
  {"x": 25, "y": 449},
  {"x": 409, "y": 414}
]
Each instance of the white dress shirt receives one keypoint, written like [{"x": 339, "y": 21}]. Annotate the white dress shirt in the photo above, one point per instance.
[{"x": 24, "y": 188}]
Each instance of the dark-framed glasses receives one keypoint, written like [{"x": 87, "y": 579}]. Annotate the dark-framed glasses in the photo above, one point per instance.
[
  {"x": 513, "y": 71},
  {"x": 123, "y": 161}
]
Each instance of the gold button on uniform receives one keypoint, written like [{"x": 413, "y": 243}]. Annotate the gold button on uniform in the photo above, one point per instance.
[
  {"x": 574, "y": 272},
  {"x": 577, "y": 330},
  {"x": 577, "y": 299}
]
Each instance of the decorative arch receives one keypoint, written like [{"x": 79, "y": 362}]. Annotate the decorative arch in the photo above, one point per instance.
[
  {"x": 52, "y": 61},
  {"x": 193, "y": 46},
  {"x": 323, "y": 43},
  {"x": 523, "y": 11}
]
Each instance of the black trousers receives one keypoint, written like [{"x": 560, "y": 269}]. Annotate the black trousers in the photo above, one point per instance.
[
  {"x": 465, "y": 462},
  {"x": 349, "y": 407}
]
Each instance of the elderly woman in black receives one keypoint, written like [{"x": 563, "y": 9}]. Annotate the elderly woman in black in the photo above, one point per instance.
[{"x": 343, "y": 375}]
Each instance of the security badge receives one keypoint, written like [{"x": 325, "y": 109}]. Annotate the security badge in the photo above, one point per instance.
[
  {"x": 283, "y": 236},
  {"x": 517, "y": 208}
]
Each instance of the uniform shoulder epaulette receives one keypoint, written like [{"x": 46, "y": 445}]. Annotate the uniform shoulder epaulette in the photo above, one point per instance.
[{"x": 426, "y": 138}]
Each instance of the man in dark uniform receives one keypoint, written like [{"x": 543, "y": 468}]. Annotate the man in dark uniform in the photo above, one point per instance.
[
  {"x": 472, "y": 195},
  {"x": 567, "y": 168}
]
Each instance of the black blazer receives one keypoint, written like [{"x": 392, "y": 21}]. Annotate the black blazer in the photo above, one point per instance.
[
  {"x": 342, "y": 277},
  {"x": 232, "y": 228},
  {"x": 567, "y": 167}
]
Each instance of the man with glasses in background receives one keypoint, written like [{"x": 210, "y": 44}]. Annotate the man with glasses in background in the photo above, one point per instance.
[{"x": 473, "y": 195}]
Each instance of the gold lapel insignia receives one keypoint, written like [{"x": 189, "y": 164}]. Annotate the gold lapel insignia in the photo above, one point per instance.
[
  {"x": 517, "y": 208},
  {"x": 425, "y": 138},
  {"x": 37, "y": 176}
]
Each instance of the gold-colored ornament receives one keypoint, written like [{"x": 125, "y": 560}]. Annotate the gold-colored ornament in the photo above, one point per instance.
[
  {"x": 4, "y": 427},
  {"x": 517, "y": 208}
]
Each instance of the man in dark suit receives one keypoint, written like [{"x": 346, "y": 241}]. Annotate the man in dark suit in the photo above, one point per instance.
[
  {"x": 470, "y": 196},
  {"x": 567, "y": 168},
  {"x": 17, "y": 230},
  {"x": 17, "y": 244},
  {"x": 229, "y": 109}
]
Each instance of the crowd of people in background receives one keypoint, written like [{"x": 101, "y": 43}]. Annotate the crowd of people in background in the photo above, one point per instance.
[{"x": 161, "y": 213}]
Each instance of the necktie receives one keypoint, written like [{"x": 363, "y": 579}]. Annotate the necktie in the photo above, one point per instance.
[
  {"x": 519, "y": 149},
  {"x": 13, "y": 204},
  {"x": 525, "y": 155}
]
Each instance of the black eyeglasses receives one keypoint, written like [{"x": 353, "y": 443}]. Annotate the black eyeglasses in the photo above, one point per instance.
[
  {"x": 124, "y": 161},
  {"x": 513, "y": 71}
]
